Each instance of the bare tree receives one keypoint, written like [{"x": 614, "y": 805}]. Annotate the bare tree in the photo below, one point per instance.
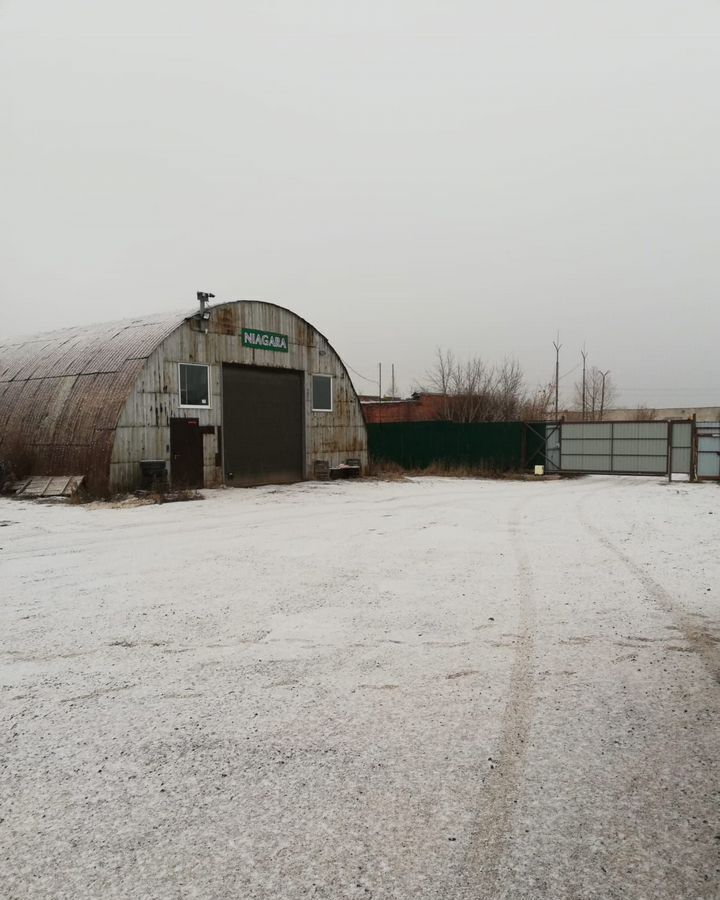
[
  {"x": 474, "y": 391},
  {"x": 600, "y": 394},
  {"x": 510, "y": 390},
  {"x": 439, "y": 377},
  {"x": 537, "y": 405}
]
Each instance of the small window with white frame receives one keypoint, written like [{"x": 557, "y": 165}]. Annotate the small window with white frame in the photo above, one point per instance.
[
  {"x": 194, "y": 385},
  {"x": 322, "y": 393}
]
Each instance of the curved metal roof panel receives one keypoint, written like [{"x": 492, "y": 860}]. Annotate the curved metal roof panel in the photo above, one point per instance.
[
  {"x": 86, "y": 350},
  {"x": 61, "y": 393}
]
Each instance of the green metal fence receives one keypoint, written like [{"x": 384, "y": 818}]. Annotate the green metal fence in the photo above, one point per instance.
[{"x": 500, "y": 446}]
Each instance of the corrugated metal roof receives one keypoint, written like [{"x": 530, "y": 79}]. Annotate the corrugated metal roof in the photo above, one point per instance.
[
  {"x": 61, "y": 392},
  {"x": 86, "y": 350}
]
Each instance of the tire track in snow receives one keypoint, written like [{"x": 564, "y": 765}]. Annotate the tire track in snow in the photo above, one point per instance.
[
  {"x": 706, "y": 645},
  {"x": 480, "y": 878}
]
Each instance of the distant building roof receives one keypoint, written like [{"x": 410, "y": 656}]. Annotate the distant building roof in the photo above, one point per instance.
[{"x": 418, "y": 408}]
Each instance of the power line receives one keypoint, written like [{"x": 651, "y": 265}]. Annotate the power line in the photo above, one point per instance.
[
  {"x": 570, "y": 371},
  {"x": 364, "y": 377}
]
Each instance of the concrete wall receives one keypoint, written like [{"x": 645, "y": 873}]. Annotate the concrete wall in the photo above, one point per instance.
[
  {"x": 143, "y": 430},
  {"x": 703, "y": 413},
  {"x": 649, "y": 414}
]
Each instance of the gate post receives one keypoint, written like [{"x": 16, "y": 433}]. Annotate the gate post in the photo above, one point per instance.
[
  {"x": 669, "y": 449},
  {"x": 693, "y": 447}
]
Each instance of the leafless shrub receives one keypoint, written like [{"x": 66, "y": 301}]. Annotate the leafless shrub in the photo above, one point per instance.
[
  {"x": 150, "y": 498},
  {"x": 385, "y": 470},
  {"x": 181, "y": 496},
  {"x": 456, "y": 470},
  {"x": 80, "y": 496},
  {"x": 475, "y": 391}
]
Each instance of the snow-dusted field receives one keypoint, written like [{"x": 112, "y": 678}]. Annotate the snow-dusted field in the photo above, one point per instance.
[{"x": 431, "y": 689}]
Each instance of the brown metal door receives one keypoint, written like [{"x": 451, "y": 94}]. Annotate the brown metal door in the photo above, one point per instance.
[
  {"x": 263, "y": 425},
  {"x": 186, "y": 453}
]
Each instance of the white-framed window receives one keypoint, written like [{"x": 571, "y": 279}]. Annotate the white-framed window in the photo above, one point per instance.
[
  {"x": 194, "y": 385},
  {"x": 322, "y": 393}
]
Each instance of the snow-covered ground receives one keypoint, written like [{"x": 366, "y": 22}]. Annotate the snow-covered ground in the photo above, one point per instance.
[{"x": 428, "y": 689}]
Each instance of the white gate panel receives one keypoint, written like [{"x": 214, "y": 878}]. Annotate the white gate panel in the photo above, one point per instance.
[
  {"x": 681, "y": 442},
  {"x": 708, "y": 449},
  {"x": 630, "y": 448}
]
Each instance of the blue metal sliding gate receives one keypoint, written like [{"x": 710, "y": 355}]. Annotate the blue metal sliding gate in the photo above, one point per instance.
[
  {"x": 620, "y": 448},
  {"x": 708, "y": 450}
]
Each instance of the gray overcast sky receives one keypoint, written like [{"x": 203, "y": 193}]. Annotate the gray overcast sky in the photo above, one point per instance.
[{"x": 405, "y": 174}]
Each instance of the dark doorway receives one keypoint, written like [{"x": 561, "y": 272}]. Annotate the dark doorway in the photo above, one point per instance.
[
  {"x": 186, "y": 453},
  {"x": 263, "y": 425}
]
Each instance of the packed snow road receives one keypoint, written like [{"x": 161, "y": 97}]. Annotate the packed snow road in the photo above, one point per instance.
[{"x": 446, "y": 689}]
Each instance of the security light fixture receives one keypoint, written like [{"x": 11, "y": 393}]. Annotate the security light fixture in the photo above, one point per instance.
[{"x": 204, "y": 298}]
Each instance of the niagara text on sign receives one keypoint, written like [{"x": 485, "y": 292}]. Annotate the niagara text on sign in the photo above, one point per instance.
[{"x": 264, "y": 340}]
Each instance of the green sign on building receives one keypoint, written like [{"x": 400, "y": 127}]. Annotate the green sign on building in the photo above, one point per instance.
[{"x": 264, "y": 340}]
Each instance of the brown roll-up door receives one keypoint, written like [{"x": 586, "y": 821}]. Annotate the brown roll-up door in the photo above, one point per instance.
[{"x": 263, "y": 425}]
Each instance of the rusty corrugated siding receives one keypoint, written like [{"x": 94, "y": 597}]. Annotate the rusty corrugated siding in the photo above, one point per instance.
[
  {"x": 97, "y": 400},
  {"x": 143, "y": 430},
  {"x": 61, "y": 394}
]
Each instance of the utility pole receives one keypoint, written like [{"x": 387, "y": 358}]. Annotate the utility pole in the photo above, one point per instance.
[
  {"x": 557, "y": 345},
  {"x": 584, "y": 395},
  {"x": 392, "y": 384},
  {"x": 380, "y": 382},
  {"x": 602, "y": 392}
]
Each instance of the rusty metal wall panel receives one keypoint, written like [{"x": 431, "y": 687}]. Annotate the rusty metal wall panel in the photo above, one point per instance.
[
  {"x": 334, "y": 436},
  {"x": 97, "y": 400},
  {"x": 225, "y": 320}
]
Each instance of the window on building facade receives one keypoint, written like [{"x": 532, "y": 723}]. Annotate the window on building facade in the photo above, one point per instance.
[
  {"x": 322, "y": 398},
  {"x": 194, "y": 384}
]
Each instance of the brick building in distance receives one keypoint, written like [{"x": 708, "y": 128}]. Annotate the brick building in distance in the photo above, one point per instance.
[{"x": 418, "y": 408}]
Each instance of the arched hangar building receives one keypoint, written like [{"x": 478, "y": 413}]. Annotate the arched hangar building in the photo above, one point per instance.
[{"x": 239, "y": 393}]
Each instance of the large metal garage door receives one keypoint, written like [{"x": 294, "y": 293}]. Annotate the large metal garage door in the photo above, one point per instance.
[{"x": 263, "y": 425}]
